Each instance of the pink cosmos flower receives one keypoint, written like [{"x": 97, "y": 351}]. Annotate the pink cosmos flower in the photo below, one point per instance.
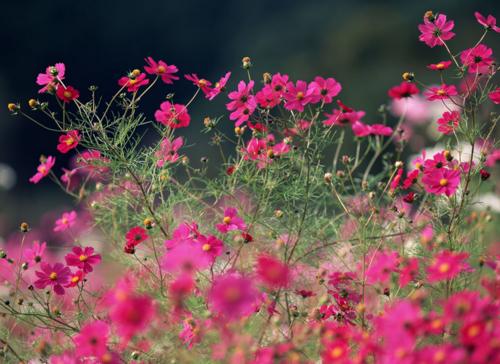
[
  {"x": 267, "y": 98},
  {"x": 297, "y": 96},
  {"x": 185, "y": 257},
  {"x": 440, "y": 66},
  {"x": 56, "y": 275},
  {"x": 91, "y": 161},
  {"x": 436, "y": 30},
  {"x": 440, "y": 181},
  {"x": 35, "y": 253},
  {"x": 360, "y": 129},
  {"x": 231, "y": 221},
  {"x": 495, "y": 96},
  {"x": 411, "y": 179},
  {"x": 50, "y": 79},
  {"x": 68, "y": 141},
  {"x": 404, "y": 90},
  {"x": 233, "y": 296},
  {"x": 448, "y": 122},
  {"x": 168, "y": 151},
  {"x": 219, "y": 87},
  {"x": 67, "y": 175},
  {"x": 397, "y": 179},
  {"x": 135, "y": 236},
  {"x": 243, "y": 103},
  {"x": 211, "y": 246},
  {"x": 343, "y": 116},
  {"x": 324, "y": 90},
  {"x": 279, "y": 84},
  {"x": 477, "y": 59},
  {"x": 190, "y": 333},
  {"x": 408, "y": 272},
  {"x": 134, "y": 81},
  {"x": 272, "y": 272},
  {"x": 92, "y": 340},
  {"x": 380, "y": 129},
  {"x": 76, "y": 278},
  {"x": 83, "y": 258},
  {"x": 67, "y": 94},
  {"x": 173, "y": 115},
  {"x": 132, "y": 314},
  {"x": 43, "y": 169},
  {"x": 489, "y": 23},
  {"x": 442, "y": 92},
  {"x": 381, "y": 265},
  {"x": 66, "y": 221},
  {"x": 492, "y": 158},
  {"x": 160, "y": 68},
  {"x": 203, "y": 84},
  {"x": 447, "y": 265}
]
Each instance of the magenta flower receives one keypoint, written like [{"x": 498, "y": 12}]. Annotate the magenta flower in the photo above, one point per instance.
[
  {"x": 83, "y": 258},
  {"x": 272, "y": 272},
  {"x": 442, "y": 92},
  {"x": 67, "y": 175},
  {"x": 297, "y": 96},
  {"x": 380, "y": 129},
  {"x": 68, "y": 141},
  {"x": 231, "y": 221},
  {"x": 131, "y": 314},
  {"x": 92, "y": 340},
  {"x": 477, "y": 59},
  {"x": 233, "y": 296},
  {"x": 185, "y": 257},
  {"x": 489, "y": 23},
  {"x": 495, "y": 96},
  {"x": 408, "y": 272},
  {"x": 343, "y": 116},
  {"x": 211, "y": 246},
  {"x": 202, "y": 83},
  {"x": 43, "y": 169},
  {"x": 134, "y": 81},
  {"x": 402, "y": 91},
  {"x": 380, "y": 266},
  {"x": 160, "y": 68},
  {"x": 440, "y": 66},
  {"x": 242, "y": 103},
  {"x": 168, "y": 151},
  {"x": 448, "y": 122},
  {"x": 324, "y": 90},
  {"x": 35, "y": 254},
  {"x": 435, "y": 31},
  {"x": 50, "y": 79},
  {"x": 447, "y": 265},
  {"x": 173, "y": 115},
  {"x": 267, "y": 98},
  {"x": 439, "y": 181},
  {"x": 66, "y": 221},
  {"x": 219, "y": 87},
  {"x": 76, "y": 278},
  {"x": 134, "y": 237},
  {"x": 56, "y": 275}
]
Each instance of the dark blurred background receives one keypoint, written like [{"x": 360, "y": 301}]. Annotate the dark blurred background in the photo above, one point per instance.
[{"x": 365, "y": 45}]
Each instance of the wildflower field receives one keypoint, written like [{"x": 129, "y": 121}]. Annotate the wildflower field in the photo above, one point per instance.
[{"x": 316, "y": 239}]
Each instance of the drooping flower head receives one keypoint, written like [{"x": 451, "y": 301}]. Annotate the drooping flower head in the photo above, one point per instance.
[
  {"x": 440, "y": 66},
  {"x": 219, "y": 86},
  {"x": 202, "y": 83},
  {"x": 43, "y": 169},
  {"x": 160, "y": 68},
  {"x": 490, "y": 22},
  {"x": 83, "y": 258},
  {"x": 173, "y": 115},
  {"x": 56, "y": 276},
  {"x": 68, "y": 141}
]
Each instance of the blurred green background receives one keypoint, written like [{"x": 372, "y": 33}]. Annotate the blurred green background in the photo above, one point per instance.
[{"x": 365, "y": 45}]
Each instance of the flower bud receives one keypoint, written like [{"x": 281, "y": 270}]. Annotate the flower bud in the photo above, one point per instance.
[
  {"x": 25, "y": 266},
  {"x": 135, "y": 73},
  {"x": 3, "y": 254},
  {"x": 278, "y": 213},
  {"x": 24, "y": 227},
  {"x": 239, "y": 130},
  {"x": 429, "y": 15},
  {"x": 340, "y": 174},
  {"x": 246, "y": 62},
  {"x": 408, "y": 76},
  {"x": 33, "y": 103},
  {"x": 13, "y": 107},
  {"x": 484, "y": 174},
  {"x": 328, "y": 177},
  {"x": 267, "y": 78},
  {"x": 346, "y": 159},
  {"x": 208, "y": 122},
  {"x": 148, "y": 223},
  {"x": 399, "y": 164}
]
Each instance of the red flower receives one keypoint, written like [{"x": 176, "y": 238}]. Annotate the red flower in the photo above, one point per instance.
[
  {"x": 442, "y": 92},
  {"x": 133, "y": 81},
  {"x": 409, "y": 198},
  {"x": 272, "y": 271},
  {"x": 443, "y": 65},
  {"x": 67, "y": 94},
  {"x": 173, "y": 115},
  {"x": 404, "y": 90},
  {"x": 134, "y": 236},
  {"x": 68, "y": 141},
  {"x": 495, "y": 96},
  {"x": 477, "y": 59}
]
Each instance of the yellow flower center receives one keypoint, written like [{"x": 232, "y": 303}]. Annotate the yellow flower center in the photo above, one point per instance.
[
  {"x": 232, "y": 294},
  {"x": 83, "y": 258},
  {"x": 439, "y": 356},
  {"x": 202, "y": 82},
  {"x": 440, "y": 66},
  {"x": 300, "y": 95},
  {"x": 161, "y": 69},
  {"x": 75, "y": 279},
  {"x": 64, "y": 221},
  {"x": 436, "y": 324},
  {"x": 337, "y": 352},
  {"x": 444, "y": 267},
  {"x": 132, "y": 82},
  {"x": 69, "y": 141},
  {"x": 206, "y": 247},
  {"x": 227, "y": 220},
  {"x": 53, "y": 276},
  {"x": 443, "y": 182},
  {"x": 67, "y": 94},
  {"x": 473, "y": 331},
  {"x": 441, "y": 92}
]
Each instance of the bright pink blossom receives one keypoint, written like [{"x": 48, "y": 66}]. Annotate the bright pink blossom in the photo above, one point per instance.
[
  {"x": 173, "y": 115},
  {"x": 477, "y": 59},
  {"x": 436, "y": 30},
  {"x": 185, "y": 257},
  {"x": 448, "y": 122},
  {"x": 66, "y": 221},
  {"x": 83, "y": 258},
  {"x": 160, "y": 68},
  {"x": 76, "y": 277},
  {"x": 43, "y": 169},
  {"x": 440, "y": 66},
  {"x": 404, "y": 90},
  {"x": 440, "y": 181},
  {"x": 202, "y": 83},
  {"x": 56, "y": 276},
  {"x": 92, "y": 340},
  {"x": 447, "y": 265},
  {"x": 492, "y": 158},
  {"x": 211, "y": 246},
  {"x": 272, "y": 272},
  {"x": 50, "y": 79},
  {"x": 168, "y": 151},
  {"x": 408, "y": 271},
  {"x": 297, "y": 96},
  {"x": 36, "y": 252},
  {"x": 134, "y": 237},
  {"x": 343, "y": 116},
  {"x": 68, "y": 141},
  {"x": 495, "y": 96},
  {"x": 219, "y": 86},
  {"x": 242, "y": 103},
  {"x": 231, "y": 221},
  {"x": 233, "y": 296},
  {"x": 134, "y": 81},
  {"x": 442, "y": 92},
  {"x": 380, "y": 266},
  {"x": 324, "y": 90},
  {"x": 489, "y": 22},
  {"x": 67, "y": 94}
]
